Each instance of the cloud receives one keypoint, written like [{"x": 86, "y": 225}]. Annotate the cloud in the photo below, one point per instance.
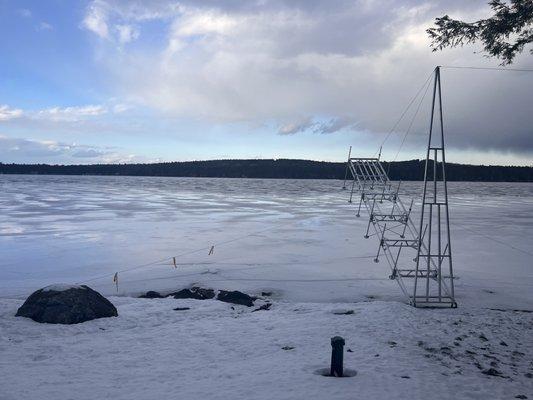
[
  {"x": 356, "y": 62},
  {"x": 89, "y": 153},
  {"x": 96, "y": 19},
  {"x": 7, "y": 113},
  {"x": 22, "y": 149},
  {"x": 297, "y": 126},
  {"x": 44, "y": 26},
  {"x": 126, "y": 33},
  {"x": 70, "y": 113},
  {"x": 336, "y": 125},
  {"x": 24, "y": 12}
]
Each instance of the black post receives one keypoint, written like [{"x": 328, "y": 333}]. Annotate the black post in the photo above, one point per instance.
[{"x": 337, "y": 350}]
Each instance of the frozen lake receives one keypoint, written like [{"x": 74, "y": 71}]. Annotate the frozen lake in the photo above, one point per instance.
[{"x": 298, "y": 238}]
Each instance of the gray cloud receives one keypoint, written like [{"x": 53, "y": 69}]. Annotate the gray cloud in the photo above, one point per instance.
[
  {"x": 21, "y": 149},
  {"x": 356, "y": 63},
  {"x": 336, "y": 125}
]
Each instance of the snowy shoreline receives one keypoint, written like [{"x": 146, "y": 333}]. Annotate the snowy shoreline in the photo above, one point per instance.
[{"x": 216, "y": 350}]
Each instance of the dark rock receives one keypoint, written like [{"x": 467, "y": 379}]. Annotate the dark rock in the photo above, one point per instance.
[
  {"x": 235, "y": 297},
  {"x": 528, "y": 375},
  {"x": 194, "y": 293},
  {"x": 263, "y": 307},
  {"x": 348, "y": 312},
  {"x": 491, "y": 372},
  {"x": 405, "y": 377},
  {"x": 520, "y": 396},
  {"x": 483, "y": 338},
  {"x": 502, "y": 343},
  {"x": 64, "y": 304},
  {"x": 287, "y": 348},
  {"x": 266, "y": 294},
  {"x": 181, "y": 308},
  {"x": 151, "y": 295},
  {"x": 392, "y": 343}
]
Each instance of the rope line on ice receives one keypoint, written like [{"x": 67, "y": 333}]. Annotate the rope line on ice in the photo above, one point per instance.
[{"x": 172, "y": 260}]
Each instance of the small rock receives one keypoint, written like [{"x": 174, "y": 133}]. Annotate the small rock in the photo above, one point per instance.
[
  {"x": 405, "y": 377},
  {"x": 491, "y": 372},
  {"x": 528, "y": 375},
  {"x": 392, "y": 343},
  {"x": 151, "y": 295},
  {"x": 349, "y": 351},
  {"x": 235, "y": 297},
  {"x": 347, "y": 312},
  {"x": 520, "y": 396},
  {"x": 502, "y": 343},
  {"x": 181, "y": 308},
  {"x": 287, "y": 348},
  {"x": 263, "y": 307},
  {"x": 194, "y": 293},
  {"x": 266, "y": 294},
  {"x": 483, "y": 338}
]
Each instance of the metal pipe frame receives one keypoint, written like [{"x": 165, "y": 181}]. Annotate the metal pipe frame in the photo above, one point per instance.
[{"x": 433, "y": 252}]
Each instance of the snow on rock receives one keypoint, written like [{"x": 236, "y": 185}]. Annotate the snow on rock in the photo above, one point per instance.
[
  {"x": 61, "y": 287},
  {"x": 66, "y": 305},
  {"x": 152, "y": 351}
]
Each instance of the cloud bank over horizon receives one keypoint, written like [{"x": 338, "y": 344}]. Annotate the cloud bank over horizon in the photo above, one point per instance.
[{"x": 178, "y": 80}]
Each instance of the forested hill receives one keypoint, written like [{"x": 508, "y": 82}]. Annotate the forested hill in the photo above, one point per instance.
[{"x": 282, "y": 168}]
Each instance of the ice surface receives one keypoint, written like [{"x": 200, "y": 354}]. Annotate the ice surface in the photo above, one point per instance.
[{"x": 299, "y": 240}]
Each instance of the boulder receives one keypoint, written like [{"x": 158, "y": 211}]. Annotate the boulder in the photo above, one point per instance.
[
  {"x": 66, "y": 304},
  {"x": 151, "y": 295},
  {"x": 236, "y": 297},
  {"x": 197, "y": 293}
]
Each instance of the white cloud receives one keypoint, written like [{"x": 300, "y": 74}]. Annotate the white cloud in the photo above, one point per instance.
[
  {"x": 353, "y": 63},
  {"x": 22, "y": 149},
  {"x": 296, "y": 126},
  {"x": 96, "y": 19},
  {"x": 7, "y": 113},
  {"x": 120, "y": 108},
  {"x": 70, "y": 113},
  {"x": 126, "y": 33},
  {"x": 44, "y": 26},
  {"x": 24, "y": 12}
]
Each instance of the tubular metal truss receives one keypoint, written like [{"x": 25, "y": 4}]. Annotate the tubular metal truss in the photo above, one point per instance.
[{"x": 425, "y": 276}]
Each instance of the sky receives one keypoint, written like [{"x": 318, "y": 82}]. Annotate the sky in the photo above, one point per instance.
[{"x": 109, "y": 81}]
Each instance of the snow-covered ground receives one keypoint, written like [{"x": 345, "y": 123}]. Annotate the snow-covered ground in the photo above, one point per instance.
[{"x": 298, "y": 239}]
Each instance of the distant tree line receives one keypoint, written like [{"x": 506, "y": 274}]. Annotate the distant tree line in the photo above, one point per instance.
[{"x": 283, "y": 169}]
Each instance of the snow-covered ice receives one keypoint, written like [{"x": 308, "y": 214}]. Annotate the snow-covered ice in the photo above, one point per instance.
[{"x": 299, "y": 240}]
